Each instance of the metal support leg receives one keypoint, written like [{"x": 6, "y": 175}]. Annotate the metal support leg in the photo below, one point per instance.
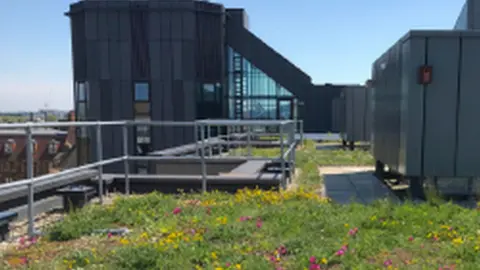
[
  {"x": 416, "y": 188},
  {"x": 100, "y": 158},
  {"x": 202, "y": 159},
  {"x": 126, "y": 166},
  {"x": 31, "y": 187},
  {"x": 282, "y": 158},
  {"x": 380, "y": 170}
]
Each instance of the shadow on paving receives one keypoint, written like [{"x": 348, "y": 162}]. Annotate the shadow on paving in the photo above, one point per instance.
[
  {"x": 365, "y": 188},
  {"x": 360, "y": 187}
]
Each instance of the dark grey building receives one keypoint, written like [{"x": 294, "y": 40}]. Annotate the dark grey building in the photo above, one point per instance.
[
  {"x": 469, "y": 17},
  {"x": 182, "y": 60}
]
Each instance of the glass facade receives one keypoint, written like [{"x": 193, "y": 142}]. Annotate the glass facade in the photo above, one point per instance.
[{"x": 254, "y": 95}]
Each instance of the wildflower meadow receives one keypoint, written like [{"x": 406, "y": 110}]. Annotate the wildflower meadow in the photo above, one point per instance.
[{"x": 258, "y": 229}]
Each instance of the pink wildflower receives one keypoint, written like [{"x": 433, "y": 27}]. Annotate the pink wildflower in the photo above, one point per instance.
[
  {"x": 282, "y": 250},
  {"x": 410, "y": 238},
  {"x": 259, "y": 223},
  {"x": 245, "y": 218},
  {"x": 33, "y": 240},
  {"x": 312, "y": 259},
  {"x": 177, "y": 210},
  {"x": 314, "y": 266},
  {"x": 227, "y": 264},
  {"x": 342, "y": 250},
  {"x": 273, "y": 259},
  {"x": 109, "y": 235},
  {"x": 22, "y": 241},
  {"x": 23, "y": 260},
  {"x": 353, "y": 232},
  {"x": 387, "y": 262}
]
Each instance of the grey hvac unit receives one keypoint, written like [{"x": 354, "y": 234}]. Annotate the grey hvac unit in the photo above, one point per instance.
[
  {"x": 338, "y": 115},
  {"x": 426, "y": 96},
  {"x": 357, "y": 114}
]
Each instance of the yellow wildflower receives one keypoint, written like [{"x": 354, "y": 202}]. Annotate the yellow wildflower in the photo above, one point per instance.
[
  {"x": 214, "y": 255},
  {"x": 124, "y": 241},
  {"x": 238, "y": 266},
  {"x": 222, "y": 220},
  {"x": 324, "y": 261},
  {"x": 458, "y": 241}
]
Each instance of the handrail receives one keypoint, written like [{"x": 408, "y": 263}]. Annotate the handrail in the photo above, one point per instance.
[{"x": 287, "y": 127}]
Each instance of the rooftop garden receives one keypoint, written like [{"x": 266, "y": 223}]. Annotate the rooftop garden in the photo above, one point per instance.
[{"x": 255, "y": 229}]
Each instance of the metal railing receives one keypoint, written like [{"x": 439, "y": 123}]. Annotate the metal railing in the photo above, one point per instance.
[{"x": 203, "y": 128}]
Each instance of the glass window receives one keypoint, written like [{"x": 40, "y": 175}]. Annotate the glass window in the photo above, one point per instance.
[
  {"x": 81, "y": 91},
  {"x": 81, "y": 111},
  {"x": 142, "y": 92},
  {"x": 209, "y": 92}
]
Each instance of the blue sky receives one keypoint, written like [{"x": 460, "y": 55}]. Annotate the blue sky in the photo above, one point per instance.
[{"x": 332, "y": 40}]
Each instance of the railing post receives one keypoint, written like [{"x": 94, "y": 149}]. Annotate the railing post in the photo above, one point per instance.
[
  {"x": 209, "y": 135},
  {"x": 301, "y": 132},
  {"x": 228, "y": 139},
  {"x": 220, "y": 138},
  {"x": 292, "y": 143},
  {"x": 126, "y": 166},
  {"x": 282, "y": 157},
  {"x": 195, "y": 136},
  {"x": 249, "y": 141},
  {"x": 99, "y": 146},
  {"x": 31, "y": 187},
  {"x": 202, "y": 158}
]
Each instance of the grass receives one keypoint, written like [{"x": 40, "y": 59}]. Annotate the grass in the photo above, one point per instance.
[{"x": 256, "y": 229}]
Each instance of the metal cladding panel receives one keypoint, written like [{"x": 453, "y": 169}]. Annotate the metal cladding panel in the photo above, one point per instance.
[
  {"x": 412, "y": 99},
  {"x": 316, "y": 110},
  {"x": 468, "y": 151},
  {"x": 357, "y": 113},
  {"x": 386, "y": 116},
  {"x": 338, "y": 115},
  {"x": 441, "y": 107}
]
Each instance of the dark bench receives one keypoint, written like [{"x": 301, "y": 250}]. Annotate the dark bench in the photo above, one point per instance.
[
  {"x": 75, "y": 197},
  {"x": 250, "y": 167},
  {"x": 5, "y": 218}
]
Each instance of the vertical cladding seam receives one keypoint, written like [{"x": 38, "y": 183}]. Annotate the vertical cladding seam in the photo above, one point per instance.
[
  {"x": 457, "y": 108},
  {"x": 424, "y": 103}
]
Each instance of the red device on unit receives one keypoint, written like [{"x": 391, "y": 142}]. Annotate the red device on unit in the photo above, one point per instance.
[{"x": 425, "y": 75}]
